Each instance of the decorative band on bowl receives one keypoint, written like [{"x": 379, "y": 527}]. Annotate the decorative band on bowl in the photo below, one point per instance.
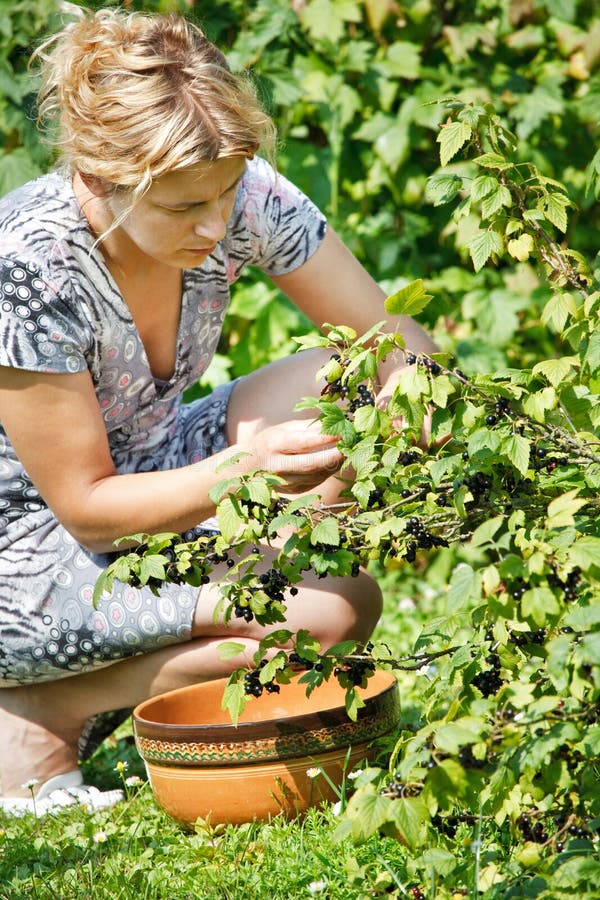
[{"x": 282, "y": 746}]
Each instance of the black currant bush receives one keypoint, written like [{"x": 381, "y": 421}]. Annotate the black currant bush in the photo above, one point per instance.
[{"x": 509, "y": 729}]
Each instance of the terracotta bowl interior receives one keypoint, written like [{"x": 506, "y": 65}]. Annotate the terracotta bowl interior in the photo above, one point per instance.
[{"x": 197, "y": 708}]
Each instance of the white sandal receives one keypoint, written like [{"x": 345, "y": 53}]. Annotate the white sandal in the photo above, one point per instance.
[{"x": 61, "y": 790}]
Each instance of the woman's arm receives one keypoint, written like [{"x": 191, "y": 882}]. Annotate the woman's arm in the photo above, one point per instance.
[
  {"x": 332, "y": 286},
  {"x": 57, "y": 431}
]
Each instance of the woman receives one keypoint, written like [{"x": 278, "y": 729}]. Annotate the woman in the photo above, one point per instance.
[{"x": 114, "y": 278}]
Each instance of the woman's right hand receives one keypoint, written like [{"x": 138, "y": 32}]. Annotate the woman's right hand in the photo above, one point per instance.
[{"x": 297, "y": 451}]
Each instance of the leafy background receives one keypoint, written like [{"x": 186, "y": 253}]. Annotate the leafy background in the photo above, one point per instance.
[{"x": 354, "y": 86}]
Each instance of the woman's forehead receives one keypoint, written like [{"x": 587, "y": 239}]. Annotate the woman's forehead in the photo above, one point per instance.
[{"x": 199, "y": 182}]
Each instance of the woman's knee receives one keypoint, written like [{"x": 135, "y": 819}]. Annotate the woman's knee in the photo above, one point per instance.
[{"x": 350, "y": 611}]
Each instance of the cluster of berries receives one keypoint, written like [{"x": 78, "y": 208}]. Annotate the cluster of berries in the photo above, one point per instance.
[
  {"x": 365, "y": 397},
  {"x": 301, "y": 662},
  {"x": 479, "y": 484},
  {"x": 489, "y": 682},
  {"x": 434, "y": 368},
  {"x": 540, "y": 459},
  {"x": 354, "y": 672},
  {"x": 273, "y": 583},
  {"x": 520, "y": 638},
  {"x": 446, "y": 824},
  {"x": 568, "y": 585},
  {"x": 468, "y": 761},
  {"x": 423, "y": 538},
  {"x": 532, "y": 831},
  {"x": 409, "y": 457},
  {"x": 253, "y": 687}
]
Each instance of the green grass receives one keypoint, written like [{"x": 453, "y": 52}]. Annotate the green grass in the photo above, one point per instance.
[{"x": 135, "y": 851}]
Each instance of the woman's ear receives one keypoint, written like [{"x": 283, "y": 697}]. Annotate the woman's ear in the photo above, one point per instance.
[{"x": 97, "y": 186}]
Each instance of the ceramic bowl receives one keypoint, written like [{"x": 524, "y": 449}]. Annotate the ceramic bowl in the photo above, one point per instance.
[{"x": 201, "y": 765}]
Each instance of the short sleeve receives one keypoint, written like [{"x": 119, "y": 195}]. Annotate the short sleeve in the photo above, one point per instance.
[
  {"x": 274, "y": 225},
  {"x": 38, "y": 331}
]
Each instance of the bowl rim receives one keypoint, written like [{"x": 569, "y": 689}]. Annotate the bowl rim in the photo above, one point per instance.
[{"x": 235, "y": 730}]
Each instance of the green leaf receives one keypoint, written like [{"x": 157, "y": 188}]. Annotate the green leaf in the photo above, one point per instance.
[
  {"x": 558, "y": 309},
  {"x": 465, "y": 583},
  {"x": 562, "y": 509},
  {"x": 258, "y": 491},
  {"x": 516, "y": 447},
  {"x": 152, "y": 566},
  {"x": 555, "y": 370},
  {"x": 538, "y": 604},
  {"x": 451, "y": 138},
  {"x": 482, "y": 186},
  {"x": 411, "y": 816},
  {"x": 229, "y": 518},
  {"x": 553, "y": 207},
  {"x": 234, "y": 697},
  {"x": 327, "y": 18},
  {"x": 367, "y": 811},
  {"x": 537, "y": 404},
  {"x": 482, "y": 246},
  {"x": 370, "y": 420},
  {"x": 230, "y": 649},
  {"x": 492, "y": 161},
  {"x": 495, "y": 201},
  {"x": 326, "y": 532},
  {"x": 451, "y": 736},
  {"x": 442, "y": 189},
  {"x": 585, "y": 552},
  {"x": 409, "y": 300}
]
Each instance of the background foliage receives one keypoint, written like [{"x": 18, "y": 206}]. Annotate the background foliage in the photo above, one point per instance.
[{"x": 493, "y": 776}]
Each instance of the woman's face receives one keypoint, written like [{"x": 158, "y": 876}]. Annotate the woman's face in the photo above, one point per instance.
[{"x": 184, "y": 214}]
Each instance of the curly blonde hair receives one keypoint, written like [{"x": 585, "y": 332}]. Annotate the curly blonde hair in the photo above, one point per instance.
[{"x": 133, "y": 96}]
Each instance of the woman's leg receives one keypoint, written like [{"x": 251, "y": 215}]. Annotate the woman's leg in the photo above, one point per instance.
[{"x": 40, "y": 724}]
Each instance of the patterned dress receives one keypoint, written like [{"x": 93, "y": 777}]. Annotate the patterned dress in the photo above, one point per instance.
[{"x": 61, "y": 312}]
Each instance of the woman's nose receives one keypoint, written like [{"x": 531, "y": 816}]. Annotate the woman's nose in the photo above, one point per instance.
[{"x": 211, "y": 225}]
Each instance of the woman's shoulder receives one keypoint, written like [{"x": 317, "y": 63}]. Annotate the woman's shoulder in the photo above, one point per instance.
[{"x": 37, "y": 214}]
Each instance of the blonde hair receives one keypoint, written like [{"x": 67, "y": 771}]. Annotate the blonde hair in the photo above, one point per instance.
[{"x": 133, "y": 96}]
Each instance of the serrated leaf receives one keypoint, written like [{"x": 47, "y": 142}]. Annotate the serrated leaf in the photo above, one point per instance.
[
  {"x": 465, "y": 583},
  {"x": 520, "y": 248},
  {"x": 492, "y": 161},
  {"x": 410, "y": 815},
  {"x": 558, "y": 309},
  {"x": 482, "y": 186},
  {"x": 258, "y": 491},
  {"x": 152, "y": 566},
  {"x": 228, "y": 518},
  {"x": 451, "y": 736},
  {"x": 370, "y": 420},
  {"x": 442, "y": 189},
  {"x": 367, "y": 811},
  {"x": 482, "y": 246},
  {"x": 234, "y": 698},
  {"x": 555, "y": 370},
  {"x": 326, "y": 532},
  {"x": 538, "y": 604},
  {"x": 562, "y": 509},
  {"x": 499, "y": 198},
  {"x": 409, "y": 300},
  {"x": 553, "y": 207},
  {"x": 516, "y": 447},
  {"x": 585, "y": 552},
  {"x": 451, "y": 138},
  {"x": 230, "y": 649},
  {"x": 537, "y": 404}
]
